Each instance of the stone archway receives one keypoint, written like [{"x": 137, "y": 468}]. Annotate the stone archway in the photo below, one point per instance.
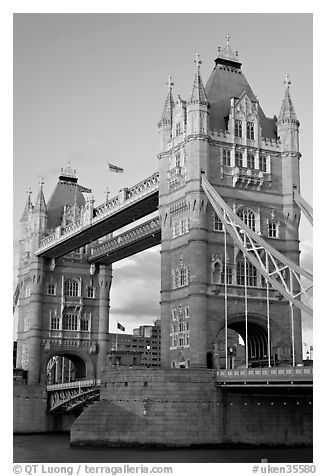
[
  {"x": 64, "y": 366},
  {"x": 257, "y": 341}
]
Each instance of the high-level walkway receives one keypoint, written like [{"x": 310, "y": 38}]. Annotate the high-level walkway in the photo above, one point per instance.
[{"x": 130, "y": 205}]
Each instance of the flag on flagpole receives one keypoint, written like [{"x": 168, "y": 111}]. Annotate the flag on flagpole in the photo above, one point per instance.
[
  {"x": 119, "y": 326},
  {"x": 114, "y": 168}
]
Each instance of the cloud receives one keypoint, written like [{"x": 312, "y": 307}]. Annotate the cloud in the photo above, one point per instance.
[
  {"x": 306, "y": 255},
  {"x": 135, "y": 291},
  {"x": 57, "y": 41}
]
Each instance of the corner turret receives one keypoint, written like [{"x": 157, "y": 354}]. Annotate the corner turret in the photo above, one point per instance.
[
  {"x": 197, "y": 105},
  {"x": 166, "y": 121},
  {"x": 287, "y": 123}
]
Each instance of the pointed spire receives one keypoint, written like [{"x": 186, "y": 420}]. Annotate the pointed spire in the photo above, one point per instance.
[
  {"x": 40, "y": 205},
  {"x": 28, "y": 206},
  {"x": 198, "y": 94},
  {"x": 287, "y": 111},
  {"x": 166, "y": 117}
]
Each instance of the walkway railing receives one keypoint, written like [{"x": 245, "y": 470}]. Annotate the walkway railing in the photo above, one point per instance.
[
  {"x": 76, "y": 384},
  {"x": 265, "y": 374},
  {"x": 126, "y": 238},
  {"x": 126, "y": 197}
]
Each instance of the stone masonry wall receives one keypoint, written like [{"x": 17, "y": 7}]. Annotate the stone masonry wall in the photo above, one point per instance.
[
  {"x": 30, "y": 413},
  {"x": 184, "y": 407},
  {"x": 152, "y": 407},
  {"x": 274, "y": 417}
]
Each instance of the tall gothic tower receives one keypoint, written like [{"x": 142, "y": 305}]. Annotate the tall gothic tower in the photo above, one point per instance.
[
  {"x": 253, "y": 162},
  {"x": 63, "y": 304}
]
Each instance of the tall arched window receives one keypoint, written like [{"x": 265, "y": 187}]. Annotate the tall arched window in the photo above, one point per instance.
[
  {"x": 71, "y": 288},
  {"x": 70, "y": 320},
  {"x": 248, "y": 217},
  {"x": 251, "y": 272}
]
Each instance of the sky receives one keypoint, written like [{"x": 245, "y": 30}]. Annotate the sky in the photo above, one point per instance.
[{"x": 90, "y": 88}]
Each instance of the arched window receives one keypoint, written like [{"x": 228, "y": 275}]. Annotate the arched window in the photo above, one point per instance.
[
  {"x": 250, "y": 271},
  {"x": 248, "y": 217},
  {"x": 71, "y": 288},
  {"x": 238, "y": 159},
  {"x": 238, "y": 128},
  {"x": 70, "y": 320},
  {"x": 250, "y": 130}
]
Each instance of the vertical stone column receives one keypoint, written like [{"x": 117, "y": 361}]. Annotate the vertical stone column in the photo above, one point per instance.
[
  {"x": 165, "y": 305},
  {"x": 198, "y": 303},
  {"x": 35, "y": 330},
  {"x": 105, "y": 280}
]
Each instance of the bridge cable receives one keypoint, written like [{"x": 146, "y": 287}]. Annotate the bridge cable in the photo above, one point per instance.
[
  {"x": 225, "y": 301},
  {"x": 268, "y": 322}
]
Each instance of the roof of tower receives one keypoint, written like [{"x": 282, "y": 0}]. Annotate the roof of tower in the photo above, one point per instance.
[
  {"x": 198, "y": 94},
  {"x": 40, "y": 205},
  {"x": 225, "y": 82},
  {"x": 166, "y": 116},
  {"x": 28, "y": 206},
  {"x": 66, "y": 193},
  {"x": 287, "y": 110}
]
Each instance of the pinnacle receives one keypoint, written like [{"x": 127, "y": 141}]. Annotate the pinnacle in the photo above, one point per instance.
[
  {"x": 198, "y": 94},
  {"x": 287, "y": 111}
]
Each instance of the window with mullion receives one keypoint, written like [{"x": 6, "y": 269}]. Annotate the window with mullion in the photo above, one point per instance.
[
  {"x": 251, "y": 161},
  {"x": 238, "y": 159},
  {"x": 250, "y": 271},
  {"x": 250, "y": 131},
  {"x": 262, "y": 163},
  {"x": 238, "y": 128},
  {"x": 226, "y": 157}
]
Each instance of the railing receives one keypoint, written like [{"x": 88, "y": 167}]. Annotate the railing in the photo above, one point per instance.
[
  {"x": 258, "y": 292},
  {"x": 265, "y": 374},
  {"x": 149, "y": 227},
  {"x": 67, "y": 397},
  {"x": 123, "y": 200},
  {"x": 76, "y": 384}
]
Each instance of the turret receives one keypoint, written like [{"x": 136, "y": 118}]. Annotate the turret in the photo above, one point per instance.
[
  {"x": 197, "y": 105},
  {"x": 287, "y": 123},
  {"x": 39, "y": 217},
  {"x": 26, "y": 216},
  {"x": 25, "y": 229},
  {"x": 165, "y": 123}
]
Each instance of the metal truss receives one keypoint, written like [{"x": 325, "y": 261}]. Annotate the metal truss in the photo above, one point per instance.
[
  {"x": 303, "y": 205},
  {"x": 288, "y": 278},
  {"x": 68, "y": 399}
]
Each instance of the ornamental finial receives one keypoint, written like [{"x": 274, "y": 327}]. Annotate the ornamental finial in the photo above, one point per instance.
[
  {"x": 197, "y": 61},
  {"x": 287, "y": 81},
  {"x": 41, "y": 182},
  {"x": 29, "y": 191},
  {"x": 170, "y": 83}
]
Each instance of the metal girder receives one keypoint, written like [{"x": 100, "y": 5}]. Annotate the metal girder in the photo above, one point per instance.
[
  {"x": 70, "y": 398},
  {"x": 272, "y": 265},
  {"x": 303, "y": 205}
]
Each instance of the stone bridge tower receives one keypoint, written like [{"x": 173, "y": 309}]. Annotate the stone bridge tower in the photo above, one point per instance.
[
  {"x": 63, "y": 304},
  {"x": 253, "y": 162}
]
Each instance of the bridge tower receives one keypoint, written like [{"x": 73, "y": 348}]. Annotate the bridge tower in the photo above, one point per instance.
[
  {"x": 63, "y": 312},
  {"x": 208, "y": 287}
]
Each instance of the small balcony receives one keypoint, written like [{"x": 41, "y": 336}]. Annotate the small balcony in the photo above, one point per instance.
[{"x": 249, "y": 178}]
